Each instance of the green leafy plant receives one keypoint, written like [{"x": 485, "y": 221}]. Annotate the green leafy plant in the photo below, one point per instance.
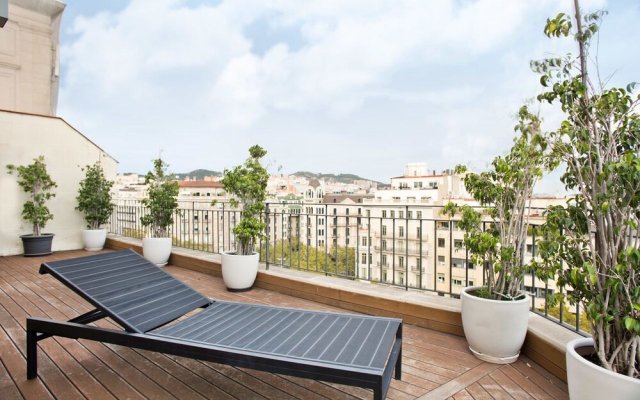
[
  {"x": 247, "y": 183},
  {"x": 161, "y": 200},
  {"x": 36, "y": 182},
  {"x": 94, "y": 196},
  {"x": 504, "y": 193},
  {"x": 591, "y": 244}
]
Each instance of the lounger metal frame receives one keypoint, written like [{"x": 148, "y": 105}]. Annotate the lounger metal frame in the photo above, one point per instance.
[{"x": 77, "y": 328}]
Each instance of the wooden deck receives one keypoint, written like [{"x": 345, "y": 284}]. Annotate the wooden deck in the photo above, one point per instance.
[{"x": 435, "y": 365}]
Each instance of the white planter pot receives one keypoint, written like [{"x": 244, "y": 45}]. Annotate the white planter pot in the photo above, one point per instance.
[
  {"x": 157, "y": 250},
  {"x": 588, "y": 381},
  {"x": 494, "y": 329},
  {"x": 239, "y": 272},
  {"x": 93, "y": 239}
]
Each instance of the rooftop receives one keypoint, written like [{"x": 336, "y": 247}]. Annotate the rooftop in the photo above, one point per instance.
[{"x": 436, "y": 365}]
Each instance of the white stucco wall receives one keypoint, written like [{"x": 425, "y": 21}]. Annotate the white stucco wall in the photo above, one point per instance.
[{"x": 24, "y": 137}]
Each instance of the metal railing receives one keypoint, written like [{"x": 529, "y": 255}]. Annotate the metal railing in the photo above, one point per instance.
[{"x": 348, "y": 241}]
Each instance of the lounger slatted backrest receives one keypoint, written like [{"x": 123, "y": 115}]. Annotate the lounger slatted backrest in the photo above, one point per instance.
[{"x": 130, "y": 290}]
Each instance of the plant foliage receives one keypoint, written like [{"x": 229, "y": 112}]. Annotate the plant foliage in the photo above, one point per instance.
[
  {"x": 161, "y": 200},
  {"x": 247, "y": 183},
  {"x": 504, "y": 192},
  {"x": 36, "y": 182},
  {"x": 94, "y": 196},
  {"x": 596, "y": 235}
]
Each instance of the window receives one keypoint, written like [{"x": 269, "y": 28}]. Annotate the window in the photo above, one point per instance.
[
  {"x": 419, "y": 263},
  {"x": 384, "y": 245},
  {"x": 441, "y": 242},
  {"x": 401, "y": 231},
  {"x": 409, "y": 214},
  {"x": 401, "y": 278},
  {"x": 458, "y": 244},
  {"x": 364, "y": 258},
  {"x": 364, "y": 240},
  {"x": 530, "y": 249},
  {"x": 401, "y": 262},
  {"x": 443, "y": 224},
  {"x": 321, "y": 221},
  {"x": 393, "y": 214},
  {"x": 400, "y": 214},
  {"x": 335, "y": 211},
  {"x": 384, "y": 230},
  {"x": 321, "y": 232},
  {"x": 335, "y": 232},
  {"x": 347, "y": 211},
  {"x": 419, "y": 233},
  {"x": 384, "y": 213},
  {"x": 457, "y": 282},
  {"x": 419, "y": 214},
  {"x": 383, "y": 260},
  {"x": 321, "y": 242},
  {"x": 440, "y": 278},
  {"x": 368, "y": 213},
  {"x": 417, "y": 184},
  {"x": 441, "y": 260},
  {"x": 470, "y": 283}
]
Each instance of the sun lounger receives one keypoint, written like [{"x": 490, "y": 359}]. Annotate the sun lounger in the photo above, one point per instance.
[{"x": 151, "y": 306}]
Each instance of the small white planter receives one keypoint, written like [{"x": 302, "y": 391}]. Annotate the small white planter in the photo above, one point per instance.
[
  {"x": 588, "y": 381},
  {"x": 157, "y": 250},
  {"x": 239, "y": 272},
  {"x": 93, "y": 239},
  {"x": 494, "y": 329}
]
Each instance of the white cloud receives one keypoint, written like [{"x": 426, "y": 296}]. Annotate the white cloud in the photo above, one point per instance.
[{"x": 440, "y": 79}]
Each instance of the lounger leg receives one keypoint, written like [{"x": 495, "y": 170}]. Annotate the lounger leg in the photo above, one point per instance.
[
  {"x": 377, "y": 393},
  {"x": 32, "y": 354},
  {"x": 398, "y": 368}
]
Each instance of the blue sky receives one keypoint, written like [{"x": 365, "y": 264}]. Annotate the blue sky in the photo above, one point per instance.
[{"x": 327, "y": 86}]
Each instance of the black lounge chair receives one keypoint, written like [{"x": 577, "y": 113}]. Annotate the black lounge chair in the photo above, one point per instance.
[{"x": 142, "y": 298}]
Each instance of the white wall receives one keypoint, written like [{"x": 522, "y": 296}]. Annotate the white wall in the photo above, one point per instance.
[{"x": 24, "y": 137}]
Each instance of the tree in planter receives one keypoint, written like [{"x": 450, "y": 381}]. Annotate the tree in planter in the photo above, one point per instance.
[
  {"x": 597, "y": 234},
  {"x": 161, "y": 200},
  {"x": 247, "y": 183},
  {"x": 36, "y": 182},
  {"x": 505, "y": 194},
  {"x": 94, "y": 196}
]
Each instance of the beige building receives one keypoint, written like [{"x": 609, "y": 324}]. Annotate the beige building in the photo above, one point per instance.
[
  {"x": 29, "y": 56},
  {"x": 29, "y": 75}
]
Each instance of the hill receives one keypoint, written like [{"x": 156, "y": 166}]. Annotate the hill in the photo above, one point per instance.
[
  {"x": 341, "y": 178},
  {"x": 198, "y": 174}
]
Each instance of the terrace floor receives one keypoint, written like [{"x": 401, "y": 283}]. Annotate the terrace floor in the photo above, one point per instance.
[{"x": 435, "y": 365}]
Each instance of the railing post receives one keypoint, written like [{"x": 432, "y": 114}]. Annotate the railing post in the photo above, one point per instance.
[{"x": 266, "y": 231}]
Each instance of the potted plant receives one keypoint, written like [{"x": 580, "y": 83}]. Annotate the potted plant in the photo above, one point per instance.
[
  {"x": 160, "y": 204},
  {"x": 591, "y": 244},
  {"x": 247, "y": 184},
  {"x": 94, "y": 201},
  {"x": 495, "y": 316},
  {"x": 36, "y": 182}
]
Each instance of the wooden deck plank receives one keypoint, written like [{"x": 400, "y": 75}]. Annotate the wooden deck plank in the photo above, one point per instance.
[
  {"x": 435, "y": 365},
  {"x": 509, "y": 385},
  {"x": 494, "y": 389}
]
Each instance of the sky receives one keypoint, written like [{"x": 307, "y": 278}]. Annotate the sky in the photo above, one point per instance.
[{"x": 327, "y": 86}]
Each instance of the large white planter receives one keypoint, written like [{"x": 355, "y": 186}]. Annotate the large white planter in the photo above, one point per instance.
[
  {"x": 494, "y": 329},
  {"x": 93, "y": 239},
  {"x": 588, "y": 381},
  {"x": 157, "y": 250},
  {"x": 239, "y": 272}
]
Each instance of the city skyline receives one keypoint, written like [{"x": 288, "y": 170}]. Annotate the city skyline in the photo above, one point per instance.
[{"x": 324, "y": 87}]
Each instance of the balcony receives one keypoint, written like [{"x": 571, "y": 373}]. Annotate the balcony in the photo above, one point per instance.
[{"x": 436, "y": 365}]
